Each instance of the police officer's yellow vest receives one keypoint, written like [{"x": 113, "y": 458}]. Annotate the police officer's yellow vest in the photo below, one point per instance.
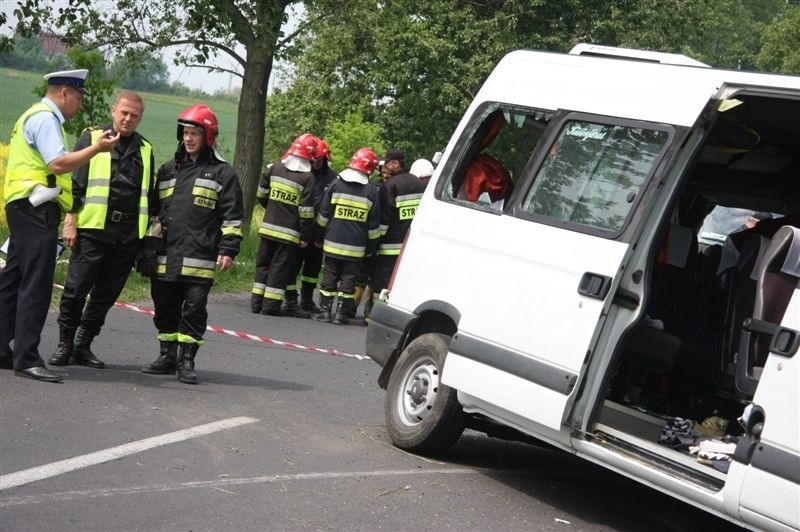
[
  {"x": 26, "y": 167},
  {"x": 95, "y": 206}
]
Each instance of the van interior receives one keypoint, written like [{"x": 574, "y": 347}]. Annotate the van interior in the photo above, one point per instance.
[{"x": 716, "y": 281}]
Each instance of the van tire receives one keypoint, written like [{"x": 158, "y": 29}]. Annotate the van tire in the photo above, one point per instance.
[{"x": 422, "y": 415}]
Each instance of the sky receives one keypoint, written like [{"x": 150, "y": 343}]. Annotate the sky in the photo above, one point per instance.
[{"x": 194, "y": 78}]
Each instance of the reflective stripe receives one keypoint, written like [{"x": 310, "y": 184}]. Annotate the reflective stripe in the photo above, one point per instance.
[
  {"x": 322, "y": 221},
  {"x": 374, "y": 233},
  {"x": 344, "y": 250},
  {"x": 231, "y": 231},
  {"x": 284, "y": 193},
  {"x": 205, "y": 193},
  {"x": 389, "y": 249},
  {"x": 186, "y": 339},
  {"x": 308, "y": 280},
  {"x": 306, "y": 212},
  {"x": 208, "y": 183},
  {"x": 279, "y": 232},
  {"x": 342, "y": 295},
  {"x": 198, "y": 268},
  {"x": 270, "y": 292},
  {"x": 258, "y": 289},
  {"x": 382, "y": 229},
  {"x": 326, "y": 293},
  {"x": 167, "y": 337},
  {"x": 351, "y": 200},
  {"x": 288, "y": 183},
  {"x": 408, "y": 199}
]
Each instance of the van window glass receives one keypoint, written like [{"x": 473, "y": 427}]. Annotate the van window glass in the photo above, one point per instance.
[
  {"x": 501, "y": 143},
  {"x": 593, "y": 173}
]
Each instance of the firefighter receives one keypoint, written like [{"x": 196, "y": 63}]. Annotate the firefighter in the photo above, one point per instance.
[
  {"x": 399, "y": 197},
  {"x": 310, "y": 258},
  {"x": 201, "y": 230},
  {"x": 347, "y": 230},
  {"x": 113, "y": 199},
  {"x": 286, "y": 190},
  {"x": 38, "y": 181}
]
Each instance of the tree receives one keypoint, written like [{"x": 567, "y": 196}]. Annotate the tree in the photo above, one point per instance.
[
  {"x": 781, "y": 49},
  {"x": 206, "y": 29},
  {"x": 141, "y": 72}
]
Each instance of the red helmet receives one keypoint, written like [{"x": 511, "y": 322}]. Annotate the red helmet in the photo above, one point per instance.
[
  {"x": 304, "y": 146},
  {"x": 323, "y": 150},
  {"x": 199, "y": 116},
  {"x": 364, "y": 160}
]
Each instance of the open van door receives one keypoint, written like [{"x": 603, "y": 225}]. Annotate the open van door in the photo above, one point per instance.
[{"x": 559, "y": 254}]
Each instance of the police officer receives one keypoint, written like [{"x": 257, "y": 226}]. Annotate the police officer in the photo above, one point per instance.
[
  {"x": 347, "y": 230},
  {"x": 309, "y": 261},
  {"x": 38, "y": 182},
  {"x": 201, "y": 219},
  {"x": 286, "y": 190},
  {"x": 114, "y": 197}
]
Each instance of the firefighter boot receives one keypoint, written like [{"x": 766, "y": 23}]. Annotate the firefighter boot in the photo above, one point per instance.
[
  {"x": 271, "y": 307},
  {"x": 255, "y": 303},
  {"x": 166, "y": 361},
  {"x": 358, "y": 295},
  {"x": 345, "y": 311},
  {"x": 291, "y": 308},
  {"x": 66, "y": 342},
  {"x": 324, "y": 313},
  {"x": 81, "y": 354},
  {"x": 307, "y": 299},
  {"x": 186, "y": 373}
]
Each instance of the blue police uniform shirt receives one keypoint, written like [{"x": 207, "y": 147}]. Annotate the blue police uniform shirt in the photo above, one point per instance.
[{"x": 42, "y": 132}]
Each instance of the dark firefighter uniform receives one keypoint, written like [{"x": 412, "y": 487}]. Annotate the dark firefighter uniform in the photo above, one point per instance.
[
  {"x": 399, "y": 197},
  {"x": 114, "y": 197},
  {"x": 201, "y": 216},
  {"x": 309, "y": 262},
  {"x": 349, "y": 219},
  {"x": 288, "y": 197}
]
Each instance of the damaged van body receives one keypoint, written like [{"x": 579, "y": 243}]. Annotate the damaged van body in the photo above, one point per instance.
[{"x": 553, "y": 285}]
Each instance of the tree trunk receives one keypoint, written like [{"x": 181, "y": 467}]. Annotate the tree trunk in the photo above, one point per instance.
[{"x": 249, "y": 155}]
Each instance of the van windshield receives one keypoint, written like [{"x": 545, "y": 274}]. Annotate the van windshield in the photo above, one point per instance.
[{"x": 594, "y": 172}]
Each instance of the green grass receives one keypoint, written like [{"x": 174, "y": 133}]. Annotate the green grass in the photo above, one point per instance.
[{"x": 159, "y": 127}]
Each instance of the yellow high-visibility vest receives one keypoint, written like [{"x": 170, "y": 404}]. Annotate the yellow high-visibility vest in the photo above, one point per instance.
[{"x": 26, "y": 167}]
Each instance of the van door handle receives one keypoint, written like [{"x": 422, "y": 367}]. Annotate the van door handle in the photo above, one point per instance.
[{"x": 594, "y": 285}]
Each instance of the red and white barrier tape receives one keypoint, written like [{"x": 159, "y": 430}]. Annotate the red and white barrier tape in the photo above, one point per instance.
[{"x": 247, "y": 336}]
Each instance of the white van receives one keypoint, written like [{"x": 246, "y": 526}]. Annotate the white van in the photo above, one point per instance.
[{"x": 553, "y": 283}]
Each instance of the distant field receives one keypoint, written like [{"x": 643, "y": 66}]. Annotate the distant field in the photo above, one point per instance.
[{"x": 158, "y": 125}]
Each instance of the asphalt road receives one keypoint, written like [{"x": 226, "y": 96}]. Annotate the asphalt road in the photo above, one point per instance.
[{"x": 274, "y": 438}]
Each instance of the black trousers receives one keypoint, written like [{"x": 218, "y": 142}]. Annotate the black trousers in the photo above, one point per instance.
[
  {"x": 101, "y": 267},
  {"x": 384, "y": 266},
  {"x": 339, "y": 275},
  {"x": 26, "y": 283},
  {"x": 309, "y": 264},
  {"x": 180, "y": 310},
  {"x": 276, "y": 267}
]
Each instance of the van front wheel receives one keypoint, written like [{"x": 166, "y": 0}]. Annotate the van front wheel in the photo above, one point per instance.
[{"x": 422, "y": 414}]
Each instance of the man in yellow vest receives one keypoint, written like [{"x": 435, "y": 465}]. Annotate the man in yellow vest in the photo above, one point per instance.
[
  {"x": 38, "y": 182},
  {"x": 113, "y": 198}
]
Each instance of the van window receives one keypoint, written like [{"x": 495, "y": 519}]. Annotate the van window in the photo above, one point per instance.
[
  {"x": 594, "y": 172},
  {"x": 500, "y": 145}
]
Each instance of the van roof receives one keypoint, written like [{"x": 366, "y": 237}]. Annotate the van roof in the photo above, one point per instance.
[{"x": 642, "y": 90}]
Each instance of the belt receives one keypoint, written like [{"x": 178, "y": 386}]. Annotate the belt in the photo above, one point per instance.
[{"x": 119, "y": 216}]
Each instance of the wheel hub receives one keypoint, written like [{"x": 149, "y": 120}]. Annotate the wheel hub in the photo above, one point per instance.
[{"x": 419, "y": 392}]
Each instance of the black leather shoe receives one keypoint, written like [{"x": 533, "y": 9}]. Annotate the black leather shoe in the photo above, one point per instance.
[
  {"x": 88, "y": 359},
  {"x": 39, "y": 373}
]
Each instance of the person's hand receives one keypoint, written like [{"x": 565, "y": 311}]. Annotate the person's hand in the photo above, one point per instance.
[
  {"x": 107, "y": 141},
  {"x": 318, "y": 244},
  {"x": 224, "y": 262},
  {"x": 70, "y": 233}
]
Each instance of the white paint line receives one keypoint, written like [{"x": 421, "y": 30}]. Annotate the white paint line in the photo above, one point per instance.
[
  {"x": 33, "y": 474},
  {"x": 228, "y": 482}
]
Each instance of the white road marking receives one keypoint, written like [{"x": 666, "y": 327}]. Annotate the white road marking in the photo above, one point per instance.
[
  {"x": 33, "y": 474},
  {"x": 228, "y": 482}
]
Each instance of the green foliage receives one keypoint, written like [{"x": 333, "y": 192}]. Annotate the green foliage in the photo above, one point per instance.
[
  {"x": 350, "y": 134},
  {"x": 141, "y": 72},
  {"x": 781, "y": 49}
]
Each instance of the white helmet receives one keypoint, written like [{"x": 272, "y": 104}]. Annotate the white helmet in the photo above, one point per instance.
[{"x": 421, "y": 168}]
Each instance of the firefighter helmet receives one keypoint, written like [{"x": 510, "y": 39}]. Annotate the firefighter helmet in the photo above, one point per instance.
[
  {"x": 323, "y": 150},
  {"x": 421, "y": 168},
  {"x": 364, "y": 160},
  {"x": 304, "y": 146},
  {"x": 199, "y": 116}
]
